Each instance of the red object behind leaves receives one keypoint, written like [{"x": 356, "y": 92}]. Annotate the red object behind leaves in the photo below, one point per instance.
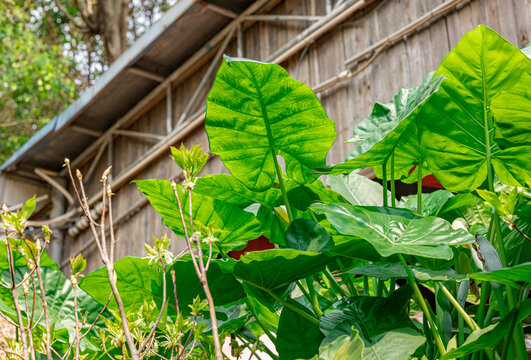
[
  {"x": 429, "y": 181},
  {"x": 262, "y": 243}
]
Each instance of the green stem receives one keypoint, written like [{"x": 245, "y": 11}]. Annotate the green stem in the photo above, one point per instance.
[
  {"x": 303, "y": 290},
  {"x": 471, "y": 323},
  {"x": 393, "y": 197},
  {"x": 334, "y": 283},
  {"x": 392, "y": 285},
  {"x": 375, "y": 288},
  {"x": 424, "y": 306},
  {"x": 365, "y": 286},
  {"x": 313, "y": 297},
  {"x": 419, "y": 189},
  {"x": 384, "y": 183},
  {"x": 285, "y": 303},
  {"x": 485, "y": 292},
  {"x": 460, "y": 331},
  {"x": 346, "y": 279},
  {"x": 522, "y": 355}
]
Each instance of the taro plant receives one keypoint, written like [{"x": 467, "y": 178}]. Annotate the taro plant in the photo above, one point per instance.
[{"x": 355, "y": 273}]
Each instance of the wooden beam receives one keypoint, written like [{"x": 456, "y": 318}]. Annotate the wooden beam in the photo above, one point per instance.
[
  {"x": 84, "y": 130},
  {"x": 146, "y": 74}
]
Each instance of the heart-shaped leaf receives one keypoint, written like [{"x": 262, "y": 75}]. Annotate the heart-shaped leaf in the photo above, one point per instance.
[
  {"x": 379, "y": 133},
  {"x": 231, "y": 190},
  {"x": 357, "y": 189},
  {"x": 371, "y": 316},
  {"x": 458, "y": 130},
  {"x": 308, "y": 235},
  {"x": 138, "y": 281},
  {"x": 386, "y": 271},
  {"x": 232, "y": 226},
  {"x": 255, "y": 112},
  {"x": 392, "y": 234},
  {"x": 271, "y": 269}
]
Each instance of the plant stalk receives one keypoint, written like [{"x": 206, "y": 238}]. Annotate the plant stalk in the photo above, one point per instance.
[
  {"x": 393, "y": 190},
  {"x": 313, "y": 297},
  {"x": 384, "y": 183},
  {"x": 346, "y": 279},
  {"x": 470, "y": 322},
  {"x": 520, "y": 353},
  {"x": 419, "y": 189},
  {"x": 424, "y": 306},
  {"x": 485, "y": 292},
  {"x": 334, "y": 283}
]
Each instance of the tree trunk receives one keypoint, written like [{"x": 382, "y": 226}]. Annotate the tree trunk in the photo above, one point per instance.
[{"x": 112, "y": 19}]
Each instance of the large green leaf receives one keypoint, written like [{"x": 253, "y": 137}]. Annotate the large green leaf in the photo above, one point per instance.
[
  {"x": 297, "y": 337},
  {"x": 357, "y": 189},
  {"x": 233, "y": 191},
  {"x": 137, "y": 281},
  {"x": 343, "y": 347},
  {"x": 489, "y": 336},
  {"x": 255, "y": 112},
  {"x": 394, "y": 234},
  {"x": 399, "y": 344},
  {"x": 431, "y": 202},
  {"x": 517, "y": 276},
  {"x": 379, "y": 133},
  {"x": 302, "y": 196},
  {"x": 371, "y": 316},
  {"x": 233, "y": 226},
  {"x": 308, "y": 235},
  {"x": 271, "y": 269},
  {"x": 224, "y": 287},
  {"x": 458, "y": 131},
  {"x": 396, "y": 271}
]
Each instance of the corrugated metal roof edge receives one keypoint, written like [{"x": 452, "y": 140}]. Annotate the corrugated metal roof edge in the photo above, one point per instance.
[{"x": 128, "y": 58}]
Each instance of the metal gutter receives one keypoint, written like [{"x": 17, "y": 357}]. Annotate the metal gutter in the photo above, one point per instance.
[{"x": 127, "y": 59}]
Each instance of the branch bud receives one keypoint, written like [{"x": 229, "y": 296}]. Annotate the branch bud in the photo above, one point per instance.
[
  {"x": 78, "y": 174},
  {"x": 106, "y": 174},
  {"x": 5, "y": 210},
  {"x": 67, "y": 162}
]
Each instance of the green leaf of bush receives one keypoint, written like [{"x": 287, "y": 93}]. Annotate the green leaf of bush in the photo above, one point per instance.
[
  {"x": 255, "y": 112},
  {"x": 392, "y": 234},
  {"x": 380, "y": 132},
  {"x": 271, "y": 269},
  {"x": 308, "y": 235},
  {"x": 231, "y": 190},
  {"x": 371, "y": 316},
  {"x": 489, "y": 336},
  {"x": 458, "y": 131},
  {"x": 235, "y": 226},
  {"x": 386, "y": 271},
  {"x": 516, "y": 276},
  {"x": 297, "y": 337},
  {"x": 357, "y": 189}
]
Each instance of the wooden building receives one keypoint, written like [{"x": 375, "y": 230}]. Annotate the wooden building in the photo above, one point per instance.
[{"x": 351, "y": 52}]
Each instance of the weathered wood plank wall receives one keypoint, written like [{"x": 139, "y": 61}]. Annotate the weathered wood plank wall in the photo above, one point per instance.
[{"x": 402, "y": 65}]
